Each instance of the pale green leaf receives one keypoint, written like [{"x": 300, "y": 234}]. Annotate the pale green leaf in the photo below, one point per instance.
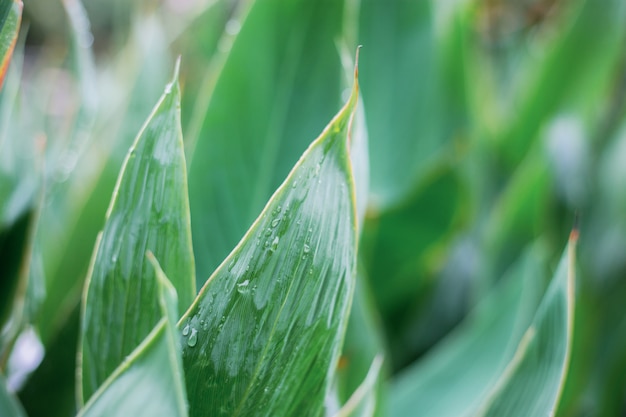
[
  {"x": 9, "y": 406},
  {"x": 264, "y": 335},
  {"x": 455, "y": 378},
  {"x": 148, "y": 211},
  {"x": 150, "y": 381},
  {"x": 533, "y": 380}
]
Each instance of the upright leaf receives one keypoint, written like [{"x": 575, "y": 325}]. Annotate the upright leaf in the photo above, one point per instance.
[
  {"x": 10, "y": 18},
  {"x": 150, "y": 382},
  {"x": 276, "y": 91},
  {"x": 401, "y": 94},
  {"x": 532, "y": 383},
  {"x": 362, "y": 403},
  {"x": 148, "y": 211},
  {"x": 264, "y": 335},
  {"x": 455, "y": 378}
]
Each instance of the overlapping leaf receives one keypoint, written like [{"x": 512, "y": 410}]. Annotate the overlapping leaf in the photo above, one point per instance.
[
  {"x": 532, "y": 383},
  {"x": 264, "y": 334},
  {"x": 283, "y": 73},
  {"x": 10, "y": 18},
  {"x": 150, "y": 382},
  {"x": 465, "y": 367},
  {"x": 148, "y": 211},
  {"x": 362, "y": 403},
  {"x": 402, "y": 101}
]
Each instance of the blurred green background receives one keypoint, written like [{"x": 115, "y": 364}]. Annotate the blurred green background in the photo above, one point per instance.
[{"x": 490, "y": 124}]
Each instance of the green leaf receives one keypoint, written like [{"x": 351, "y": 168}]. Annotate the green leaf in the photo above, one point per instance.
[
  {"x": 10, "y": 18},
  {"x": 265, "y": 332},
  {"x": 533, "y": 380},
  {"x": 150, "y": 381},
  {"x": 566, "y": 64},
  {"x": 148, "y": 211},
  {"x": 9, "y": 406},
  {"x": 395, "y": 256},
  {"x": 283, "y": 73},
  {"x": 362, "y": 403},
  {"x": 401, "y": 93},
  {"x": 455, "y": 377},
  {"x": 364, "y": 342}
]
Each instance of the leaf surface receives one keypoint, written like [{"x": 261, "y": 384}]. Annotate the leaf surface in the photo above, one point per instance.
[
  {"x": 458, "y": 375},
  {"x": 10, "y": 19},
  {"x": 276, "y": 91},
  {"x": 150, "y": 381},
  {"x": 265, "y": 332},
  {"x": 532, "y": 383},
  {"x": 362, "y": 403},
  {"x": 9, "y": 406},
  {"x": 148, "y": 211}
]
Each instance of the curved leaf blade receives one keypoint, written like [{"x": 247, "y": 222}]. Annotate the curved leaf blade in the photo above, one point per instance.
[
  {"x": 467, "y": 365},
  {"x": 150, "y": 382},
  {"x": 149, "y": 211},
  {"x": 10, "y": 19},
  {"x": 362, "y": 403},
  {"x": 265, "y": 332},
  {"x": 532, "y": 383}
]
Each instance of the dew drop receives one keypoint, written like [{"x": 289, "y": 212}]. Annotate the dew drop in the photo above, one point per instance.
[
  {"x": 193, "y": 339},
  {"x": 242, "y": 287},
  {"x": 278, "y": 209},
  {"x": 295, "y": 184},
  {"x": 274, "y": 244},
  {"x": 275, "y": 222},
  {"x": 186, "y": 330},
  {"x": 307, "y": 248},
  {"x": 268, "y": 232},
  {"x": 231, "y": 265}
]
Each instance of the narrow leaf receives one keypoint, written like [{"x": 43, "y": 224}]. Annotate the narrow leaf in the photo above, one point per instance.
[
  {"x": 273, "y": 75},
  {"x": 458, "y": 375},
  {"x": 150, "y": 381},
  {"x": 362, "y": 403},
  {"x": 532, "y": 383},
  {"x": 264, "y": 335},
  {"x": 148, "y": 211},
  {"x": 10, "y": 18}
]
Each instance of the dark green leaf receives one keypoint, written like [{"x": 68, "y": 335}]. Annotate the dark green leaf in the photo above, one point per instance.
[
  {"x": 150, "y": 381},
  {"x": 265, "y": 332},
  {"x": 148, "y": 211},
  {"x": 276, "y": 91}
]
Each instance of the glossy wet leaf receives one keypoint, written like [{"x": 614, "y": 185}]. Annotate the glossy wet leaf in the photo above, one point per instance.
[
  {"x": 10, "y": 18},
  {"x": 9, "y": 406},
  {"x": 265, "y": 332},
  {"x": 148, "y": 211},
  {"x": 362, "y": 403},
  {"x": 533, "y": 380},
  {"x": 150, "y": 381},
  {"x": 277, "y": 90},
  {"x": 456, "y": 377}
]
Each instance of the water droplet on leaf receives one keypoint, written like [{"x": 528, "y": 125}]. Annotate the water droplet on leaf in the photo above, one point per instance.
[{"x": 193, "y": 339}]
